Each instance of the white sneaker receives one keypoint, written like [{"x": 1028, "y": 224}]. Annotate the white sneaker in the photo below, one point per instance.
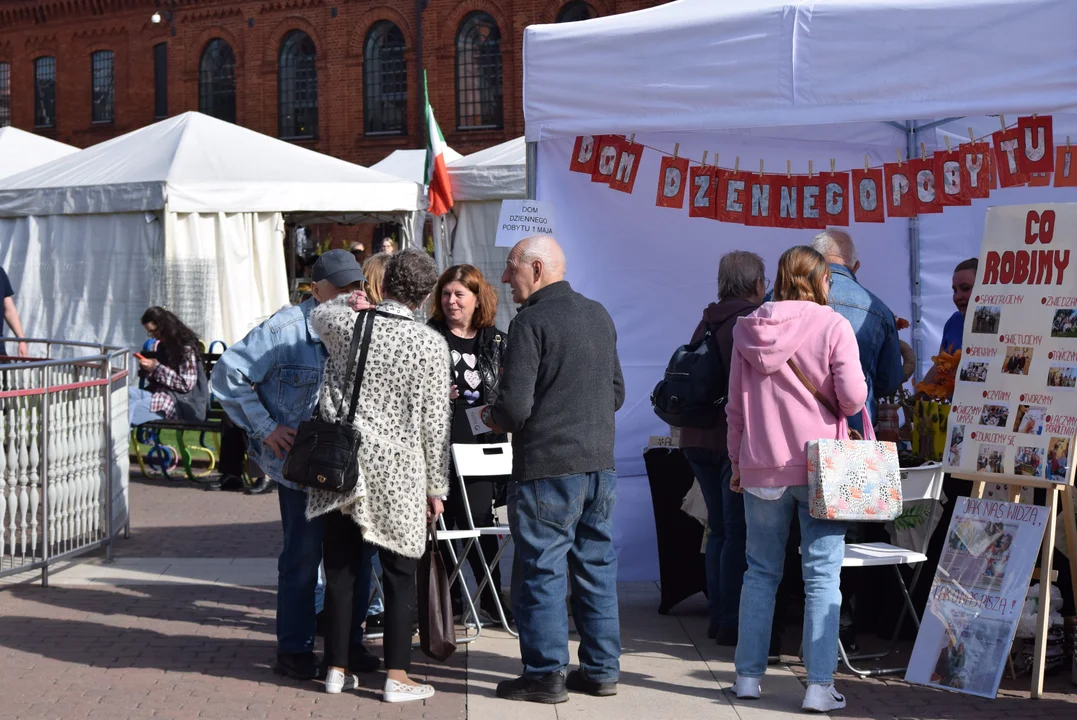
[
  {"x": 822, "y": 698},
  {"x": 398, "y": 692},
  {"x": 337, "y": 681},
  {"x": 746, "y": 688}
]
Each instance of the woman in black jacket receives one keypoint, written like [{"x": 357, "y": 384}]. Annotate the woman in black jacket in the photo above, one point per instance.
[{"x": 464, "y": 307}]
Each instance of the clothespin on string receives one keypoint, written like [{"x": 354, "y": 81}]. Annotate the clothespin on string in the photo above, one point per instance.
[
  {"x": 900, "y": 161},
  {"x": 833, "y": 165},
  {"x": 866, "y": 163},
  {"x": 923, "y": 152},
  {"x": 972, "y": 136},
  {"x": 676, "y": 149},
  {"x": 1067, "y": 143},
  {"x": 789, "y": 169},
  {"x": 736, "y": 165},
  {"x": 947, "y": 139},
  {"x": 704, "y": 163},
  {"x": 760, "y": 168},
  {"x": 632, "y": 139},
  {"x": 809, "y": 169},
  {"x": 1002, "y": 120}
]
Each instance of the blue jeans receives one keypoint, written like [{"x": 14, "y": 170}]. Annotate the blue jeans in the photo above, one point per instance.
[
  {"x": 822, "y": 548},
  {"x": 138, "y": 406},
  {"x": 297, "y": 577},
  {"x": 726, "y": 563},
  {"x": 563, "y": 531}
]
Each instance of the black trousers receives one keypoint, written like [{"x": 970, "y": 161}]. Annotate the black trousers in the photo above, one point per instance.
[
  {"x": 342, "y": 554},
  {"x": 234, "y": 451},
  {"x": 480, "y": 496}
]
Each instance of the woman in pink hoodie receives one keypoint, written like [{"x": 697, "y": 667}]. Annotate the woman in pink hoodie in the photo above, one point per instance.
[{"x": 772, "y": 416}]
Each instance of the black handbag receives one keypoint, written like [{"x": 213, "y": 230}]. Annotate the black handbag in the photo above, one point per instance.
[{"x": 325, "y": 455}]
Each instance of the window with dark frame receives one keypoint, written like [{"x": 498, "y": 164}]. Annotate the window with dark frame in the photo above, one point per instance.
[
  {"x": 576, "y": 11},
  {"x": 45, "y": 92},
  {"x": 297, "y": 87},
  {"x": 102, "y": 64},
  {"x": 5, "y": 94},
  {"x": 160, "y": 81},
  {"x": 217, "y": 81},
  {"x": 385, "y": 81},
  {"x": 478, "y": 73}
]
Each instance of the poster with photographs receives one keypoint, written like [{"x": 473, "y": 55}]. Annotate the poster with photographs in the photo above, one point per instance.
[
  {"x": 977, "y": 595},
  {"x": 1014, "y": 410}
]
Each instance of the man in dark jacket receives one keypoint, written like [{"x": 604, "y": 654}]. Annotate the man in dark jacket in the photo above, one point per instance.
[
  {"x": 562, "y": 385},
  {"x": 741, "y": 286}
]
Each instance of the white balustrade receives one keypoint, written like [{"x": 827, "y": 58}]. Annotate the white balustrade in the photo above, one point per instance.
[
  {"x": 3, "y": 487},
  {"x": 11, "y": 476},
  {"x": 24, "y": 479},
  {"x": 35, "y": 497}
]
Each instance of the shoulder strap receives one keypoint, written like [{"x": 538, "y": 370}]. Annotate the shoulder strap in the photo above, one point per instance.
[
  {"x": 353, "y": 350},
  {"x": 368, "y": 329},
  {"x": 812, "y": 389}
]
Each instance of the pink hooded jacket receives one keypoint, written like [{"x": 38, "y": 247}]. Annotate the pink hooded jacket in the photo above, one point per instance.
[{"x": 772, "y": 416}]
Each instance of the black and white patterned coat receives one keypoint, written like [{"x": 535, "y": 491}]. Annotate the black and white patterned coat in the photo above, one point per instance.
[{"x": 404, "y": 417}]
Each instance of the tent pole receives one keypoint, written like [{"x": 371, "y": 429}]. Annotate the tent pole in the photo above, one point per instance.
[
  {"x": 532, "y": 169},
  {"x": 912, "y": 135}
]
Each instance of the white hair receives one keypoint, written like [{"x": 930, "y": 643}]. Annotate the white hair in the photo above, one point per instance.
[
  {"x": 544, "y": 249},
  {"x": 833, "y": 243}
]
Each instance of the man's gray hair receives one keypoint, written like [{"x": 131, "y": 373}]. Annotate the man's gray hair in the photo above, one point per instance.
[
  {"x": 410, "y": 276},
  {"x": 739, "y": 273},
  {"x": 833, "y": 243}
]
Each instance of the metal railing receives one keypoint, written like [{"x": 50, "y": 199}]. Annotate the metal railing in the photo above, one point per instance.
[{"x": 63, "y": 453}]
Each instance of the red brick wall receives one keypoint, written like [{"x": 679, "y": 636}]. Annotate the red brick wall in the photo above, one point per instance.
[{"x": 72, "y": 30}]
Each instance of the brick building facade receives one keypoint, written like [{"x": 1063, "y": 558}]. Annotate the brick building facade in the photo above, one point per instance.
[{"x": 339, "y": 76}]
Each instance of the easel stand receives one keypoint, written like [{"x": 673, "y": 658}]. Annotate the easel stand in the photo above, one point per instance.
[{"x": 1054, "y": 491}]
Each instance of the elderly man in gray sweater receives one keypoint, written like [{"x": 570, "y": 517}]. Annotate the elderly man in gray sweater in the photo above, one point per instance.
[{"x": 562, "y": 385}]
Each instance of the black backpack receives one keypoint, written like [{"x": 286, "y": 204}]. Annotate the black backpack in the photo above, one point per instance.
[{"x": 693, "y": 392}]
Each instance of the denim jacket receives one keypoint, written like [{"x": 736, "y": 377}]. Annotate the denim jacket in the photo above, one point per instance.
[
  {"x": 876, "y": 334},
  {"x": 272, "y": 376}
]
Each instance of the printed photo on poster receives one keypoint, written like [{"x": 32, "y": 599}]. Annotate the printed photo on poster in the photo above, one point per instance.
[
  {"x": 1065, "y": 324},
  {"x": 1062, "y": 377},
  {"x": 986, "y": 319},
  {"x": 974, "y": 371},
  {"x": 957, "y": 442},
  {"x": 1030, "y": 420},
  {"x": 977, "y": 552},
  {"x": 995, "y": 415},
  {"x": 1018, "y": 360},
  {"x": 1058, "y": 459},
  {"x": 967, "y": 651},
  {"x": 1028, "y": 461},
  {"x": 991, "y": 458}
]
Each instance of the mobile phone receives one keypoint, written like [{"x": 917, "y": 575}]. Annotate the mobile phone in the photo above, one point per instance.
[{"x": 139, "y": 356}]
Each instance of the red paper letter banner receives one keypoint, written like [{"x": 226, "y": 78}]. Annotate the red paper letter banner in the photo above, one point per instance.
[
  {"x": 1066, "y": 167},
  {"x": 760, "y": 198},
  {"x": 732, "y": 187},
  {"x": 786, "y": 193},
  {"x": 835, "y": 200},
  {"x": 1037, "y": 145},
  {"x": 702, "y": 188},
  {"x": 624, "y": 173},
  {"x": 975, "y": 161},
  {"x": 1007, "y": 148},
  {"x": 927, "y": 194},
  {"x": 607, "y": 149},
  {"x": 811, "y": 200},
  {"x": 583, "y": 155},
  {"x": 900, "y": 193},
  {"x": 952, "y": 179},
  {"x": 672, "y": 177},
  {"x": 868, "y": 196}
]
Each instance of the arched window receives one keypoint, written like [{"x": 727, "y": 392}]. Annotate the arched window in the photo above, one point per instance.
[
  {"x": 385, "y": 80},
  {"x": 217, "y": 81},
  {"x": 297, "y": 87},
  {"x": 478, "y": 73},
  {"x": 45, "y": 92},
  {"x": 576, "y": 10}
]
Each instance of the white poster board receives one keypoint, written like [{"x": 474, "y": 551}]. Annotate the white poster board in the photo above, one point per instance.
[
  {"x": 523, "y": 218},
  {"x": 977, "y": 596},
  {"x": 1015, "y": 400}
]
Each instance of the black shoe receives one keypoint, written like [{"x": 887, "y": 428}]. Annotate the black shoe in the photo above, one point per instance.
[
  {"x": 361, "y": 660},
  {"x": 375, "y": 623},
  {"x": 775, "y": 645},
  {"x": 727, "y": 637},
  {"x": 848, "y": 640},
  {"x": 547, "y": 689},
  {"x": 712, "y": 632},
  {"x": 227, "y": 482},
  {"x": 491, "y": 611},
  {"x": 299, "y": 666},
  {"x": 578, "y": 682},
  {"x": 260, "y": 486}
]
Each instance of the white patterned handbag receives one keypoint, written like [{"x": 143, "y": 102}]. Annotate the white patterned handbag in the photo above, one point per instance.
[{"x": 851, "y": 479}]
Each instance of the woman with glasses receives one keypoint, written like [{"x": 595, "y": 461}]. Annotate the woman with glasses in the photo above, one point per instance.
[{"x": 176, "y": 384}]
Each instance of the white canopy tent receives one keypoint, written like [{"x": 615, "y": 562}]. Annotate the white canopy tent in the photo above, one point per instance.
[
  {"x": 480, "y": 182},
  {"x": 773, "y": 81},
  {"x": 186, "y": 213},
  {"x": 20, "y": 150},
  {"x": 410, "y": 164}
]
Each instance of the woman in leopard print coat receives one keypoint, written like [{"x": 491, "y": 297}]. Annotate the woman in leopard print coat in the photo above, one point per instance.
[{"x": 403, "y": 417}]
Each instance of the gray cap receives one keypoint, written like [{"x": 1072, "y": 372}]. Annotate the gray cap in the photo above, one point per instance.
[{"x": 338, "y": 267}]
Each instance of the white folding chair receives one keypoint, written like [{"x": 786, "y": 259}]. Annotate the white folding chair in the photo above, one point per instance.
[
  {"x": 473, "y": 461},
  {"x": 923, "y": 485}
]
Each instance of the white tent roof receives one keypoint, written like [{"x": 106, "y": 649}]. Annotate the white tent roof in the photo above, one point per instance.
[
  {"x": 410, "y": 164},
  {"x": 195, "y": 163},
  {"x": 20, "y": 150},
  {"x": 706, "y": 65},
  {"x": 496, "y": 173}
]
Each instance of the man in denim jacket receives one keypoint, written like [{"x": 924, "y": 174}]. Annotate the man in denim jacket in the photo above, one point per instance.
[{"x": 268, "y": 383}]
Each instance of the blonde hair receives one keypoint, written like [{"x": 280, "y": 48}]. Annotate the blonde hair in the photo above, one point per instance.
[
  {"x": 803, "y": 274},
  {"x": 374, "y": 270}
]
